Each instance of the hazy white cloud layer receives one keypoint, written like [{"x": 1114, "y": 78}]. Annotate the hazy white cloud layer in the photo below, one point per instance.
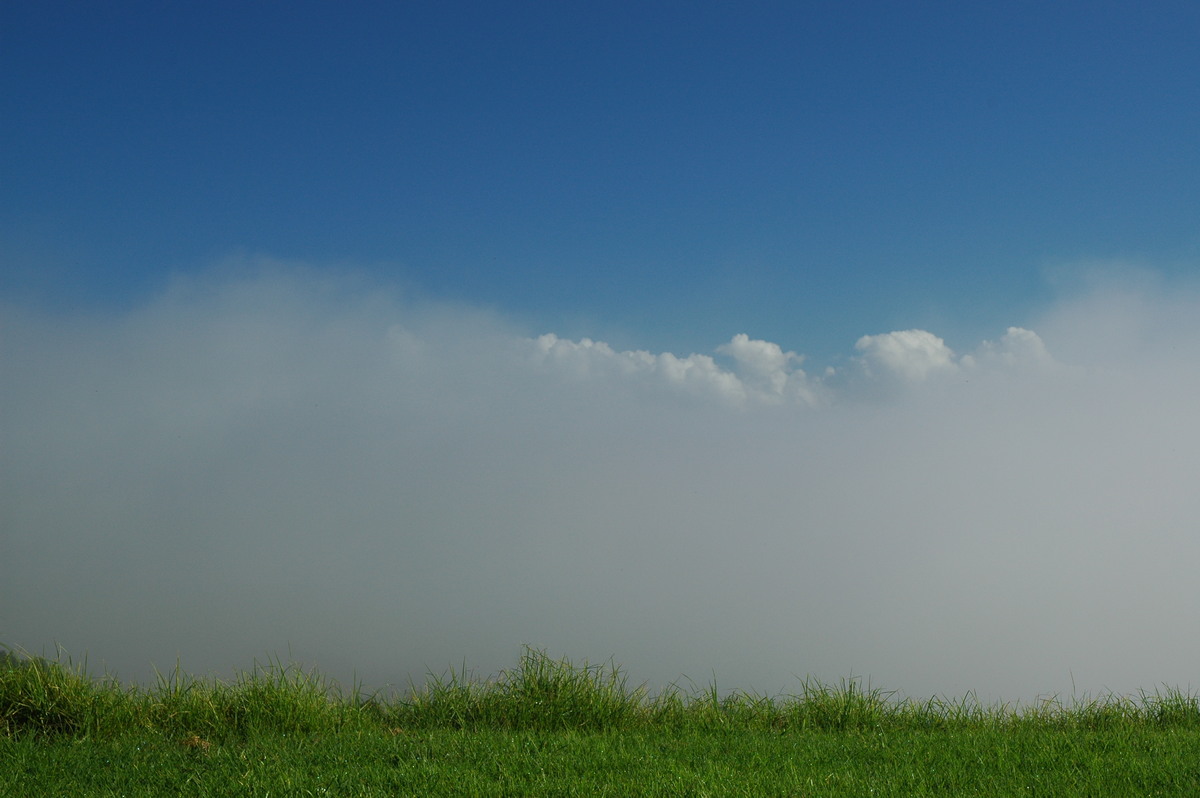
[{"x": 288, "y": 464}]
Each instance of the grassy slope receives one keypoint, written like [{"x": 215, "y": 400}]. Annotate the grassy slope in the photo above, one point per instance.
[{"x": 551, "y": 728}]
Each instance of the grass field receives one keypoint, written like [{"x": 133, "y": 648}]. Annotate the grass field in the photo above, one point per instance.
[{"x": 550, "y": 727}]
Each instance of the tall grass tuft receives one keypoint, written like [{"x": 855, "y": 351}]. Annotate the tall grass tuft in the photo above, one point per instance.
[
  {"x": 540, "y": 694},
  {"x": 51, "y": 697},
  {"x": 271, "y": 698},
  {"x": 57, "y": 698}
]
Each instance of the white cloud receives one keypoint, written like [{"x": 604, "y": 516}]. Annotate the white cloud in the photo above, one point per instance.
[
  {"x": 1017, "y": 348},
  {"x": 695, "y": 374},
  {"x": 763, "y": 373},
  {"x": 772, "y": 374},
  {"x": 911, "y": 355},
  {"x": 281, "y": 463}
]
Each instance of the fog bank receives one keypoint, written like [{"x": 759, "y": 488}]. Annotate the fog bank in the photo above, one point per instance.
[{"x": 292, "y": 464}]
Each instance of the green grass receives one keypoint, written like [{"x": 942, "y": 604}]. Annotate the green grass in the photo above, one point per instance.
[{"x": 551, "y": 727}]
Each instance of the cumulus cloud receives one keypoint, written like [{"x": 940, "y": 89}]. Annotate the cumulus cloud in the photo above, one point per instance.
[
  {"x": 911, "y": 355},
  {"x": 291, "y": 464},
  {"x": 694, "y": 374},
  {"x": 1017, "y": 348},
  {"x": 763, "y": 373}
]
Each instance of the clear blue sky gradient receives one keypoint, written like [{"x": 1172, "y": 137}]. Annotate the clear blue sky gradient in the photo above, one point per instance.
[{"x": 660, "y": 175}]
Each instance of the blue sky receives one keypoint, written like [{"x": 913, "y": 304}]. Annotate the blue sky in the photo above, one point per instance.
[
  {"x": 663, "y": 175},
  {"x": 755, "y": 340}
]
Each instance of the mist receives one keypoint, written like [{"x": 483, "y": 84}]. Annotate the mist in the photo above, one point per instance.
[{"x": 282, "y": 463}]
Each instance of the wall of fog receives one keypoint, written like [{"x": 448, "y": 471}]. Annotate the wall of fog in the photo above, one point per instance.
[{"x": 290, "y": 464}]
